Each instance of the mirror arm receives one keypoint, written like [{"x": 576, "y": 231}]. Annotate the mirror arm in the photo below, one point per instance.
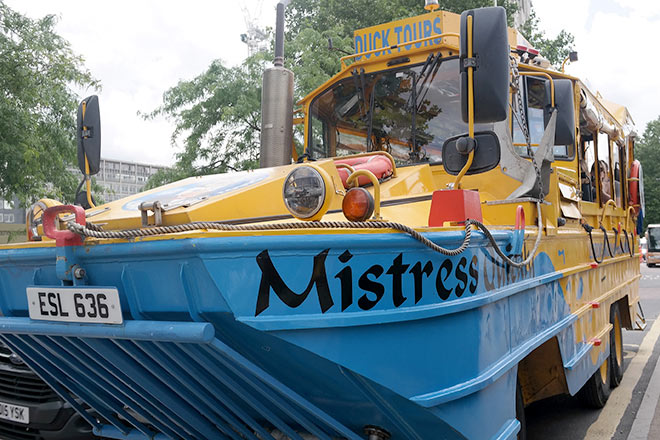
[
  {"x": 470, "y": 72},
  {"x": 88, "y": 183}
]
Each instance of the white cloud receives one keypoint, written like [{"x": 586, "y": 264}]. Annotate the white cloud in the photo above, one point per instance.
[
  {"x": 615, "y": 40},
  {"x": 139, "y": 49}
]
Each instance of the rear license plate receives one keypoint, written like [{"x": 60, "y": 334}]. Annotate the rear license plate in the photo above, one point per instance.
[
  {"x": 14, "y": 413},
  {"x": 75, "y": 304}
]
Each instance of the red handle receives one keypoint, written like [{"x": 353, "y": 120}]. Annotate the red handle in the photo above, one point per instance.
[
  {"x": 520, "y": 218},
  {"x": 63, "y": 237}
]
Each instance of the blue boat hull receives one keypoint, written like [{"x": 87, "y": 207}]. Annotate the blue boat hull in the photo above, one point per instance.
[{"x": 322, "y": 334}]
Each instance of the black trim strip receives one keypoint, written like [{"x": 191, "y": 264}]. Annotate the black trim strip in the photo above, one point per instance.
[{"x": 246, "y": 220}]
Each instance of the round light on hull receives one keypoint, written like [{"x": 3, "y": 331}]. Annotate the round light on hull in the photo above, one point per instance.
[
  {"x": 306, "y": 191},
  {"x": 358, "y": 204}
]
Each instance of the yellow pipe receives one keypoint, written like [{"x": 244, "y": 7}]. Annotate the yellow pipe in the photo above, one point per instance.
[
  {"x": 610, "y": 202},
  {"x": 350, "y": 169},
  {"x": 552, "y": 83},
  {"x": 467, "y": 166},
  {"x": 628, "y": 217},
  {"x": 354, "y": 178},
  {"x": 470, "y": 72},
  {"x": 395, "y": 46},
  {"x": 470, "y": 80}
]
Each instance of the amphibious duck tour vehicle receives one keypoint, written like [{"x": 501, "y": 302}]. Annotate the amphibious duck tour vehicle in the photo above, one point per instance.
[{"x": 457, "y": 241}]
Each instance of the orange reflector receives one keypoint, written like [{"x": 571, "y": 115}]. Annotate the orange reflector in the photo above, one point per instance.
[{"x": 358, "y": 204}]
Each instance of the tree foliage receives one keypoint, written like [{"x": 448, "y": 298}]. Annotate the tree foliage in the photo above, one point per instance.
[
  {"x": 554, "y": 49},
  {"x": 217, "y": 114},
  {"x": 37, "y": 107},
  {"x": 647, "y": 151}
]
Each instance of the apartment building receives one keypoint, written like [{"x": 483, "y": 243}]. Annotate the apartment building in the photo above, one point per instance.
[
  {"x": 123, "y": 178},
  {"x": 11, "y": 212}
]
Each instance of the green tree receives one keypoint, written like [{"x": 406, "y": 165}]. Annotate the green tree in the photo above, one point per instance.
[
  {"x": 37, "y": 107},
  {"x": 647, "y": 151},
  {"x": 554, "y": 49},
  {"x": 217, "y": 114}
]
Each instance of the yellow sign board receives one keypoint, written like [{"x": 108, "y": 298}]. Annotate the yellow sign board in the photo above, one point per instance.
[{"x": 397, "y": 33}]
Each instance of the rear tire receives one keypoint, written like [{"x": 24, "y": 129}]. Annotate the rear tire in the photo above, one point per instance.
[
  {"x": 616, "y": 347},
  {"x": 597, "y": 390},
  {"x": 520, "y": 414},
  {"x": 650, "y": 264}
]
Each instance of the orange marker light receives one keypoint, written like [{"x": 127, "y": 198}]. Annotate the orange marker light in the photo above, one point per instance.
[{"x": 358, "y": 204}]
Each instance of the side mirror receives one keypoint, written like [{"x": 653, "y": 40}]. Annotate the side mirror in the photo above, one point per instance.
[
  {"x": 490, "y": 59},
  {"x": 486, "y": 153},
  {"x": 88, "y": 134},
  {"x": 565, "y": 105}
]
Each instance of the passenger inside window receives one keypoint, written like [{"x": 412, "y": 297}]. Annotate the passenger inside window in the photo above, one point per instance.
[
  {"x": 587, "y": 159},
  {"x": 617, "y": 153},
  {"x": 604, "y": 170},
  {"x": 604, "y": 179}
]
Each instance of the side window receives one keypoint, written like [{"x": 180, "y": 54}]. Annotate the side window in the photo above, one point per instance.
[
  {"x": 318, "y": 147},
  {"x": 587, "y": 160},
  {"x": 535, "y": 109},
  {"x": 532, "y": 92},
  {"x": 616, "y": 167},
  {"x": 535, "y": 100},
  {"x": 602, "y": 170}
]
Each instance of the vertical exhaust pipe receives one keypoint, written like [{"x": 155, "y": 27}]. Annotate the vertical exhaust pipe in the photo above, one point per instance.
[{"x": 277, "y": 105}]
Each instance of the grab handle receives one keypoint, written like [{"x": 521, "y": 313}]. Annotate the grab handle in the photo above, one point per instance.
[{"x": 63, "y": 237}]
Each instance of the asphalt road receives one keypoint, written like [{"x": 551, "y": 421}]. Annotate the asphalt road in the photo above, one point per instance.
[{"x": 564, "y": 417}]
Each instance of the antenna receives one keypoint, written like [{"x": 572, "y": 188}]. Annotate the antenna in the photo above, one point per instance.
[{"x": 255, "y": 36}]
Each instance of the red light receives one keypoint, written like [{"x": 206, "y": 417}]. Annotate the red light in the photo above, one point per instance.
[
  {"x": 533, "y": 52},
  {"x": 596, "y": 342},
  {"x": 358, "y": 204},
  {"x": 521, "y": 48}
]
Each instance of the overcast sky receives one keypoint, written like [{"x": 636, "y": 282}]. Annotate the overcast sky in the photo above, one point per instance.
[{"x": 139, "y": 49}]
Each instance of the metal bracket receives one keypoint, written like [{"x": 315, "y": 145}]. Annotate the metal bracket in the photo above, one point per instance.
[
  {"x": 157, "y": 209},
  {"x": 470, "y": 62}
]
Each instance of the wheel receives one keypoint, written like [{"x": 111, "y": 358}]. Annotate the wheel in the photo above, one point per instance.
[
  {"x": 520, "y": 414},
  {"x": 650, "y": 264},
  {"x": 597, "y": 390},
  {"x": 616, "y": 347}
]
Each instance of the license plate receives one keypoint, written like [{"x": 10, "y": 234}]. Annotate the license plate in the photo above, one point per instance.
[
  {"x": 75, "y": 304},
  {"x": 14, "y": 413}
]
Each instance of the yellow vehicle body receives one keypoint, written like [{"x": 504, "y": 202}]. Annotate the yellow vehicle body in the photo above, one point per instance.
[{"x": 590, "y": 280}]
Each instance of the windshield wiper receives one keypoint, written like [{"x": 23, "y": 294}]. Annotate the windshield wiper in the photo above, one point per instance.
[
  {"x": 370, "y": 114},
  {"x": 426, "y": 64},
  {"x": 359, "y": 88},
  {"x": 435, "y": 65},
  {"x": 413, "y": 128}
]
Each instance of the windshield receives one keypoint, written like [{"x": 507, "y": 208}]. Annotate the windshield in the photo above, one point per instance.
[
  {"x": 408, "y": 112},
  {"x": 654, "y": 239}
]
